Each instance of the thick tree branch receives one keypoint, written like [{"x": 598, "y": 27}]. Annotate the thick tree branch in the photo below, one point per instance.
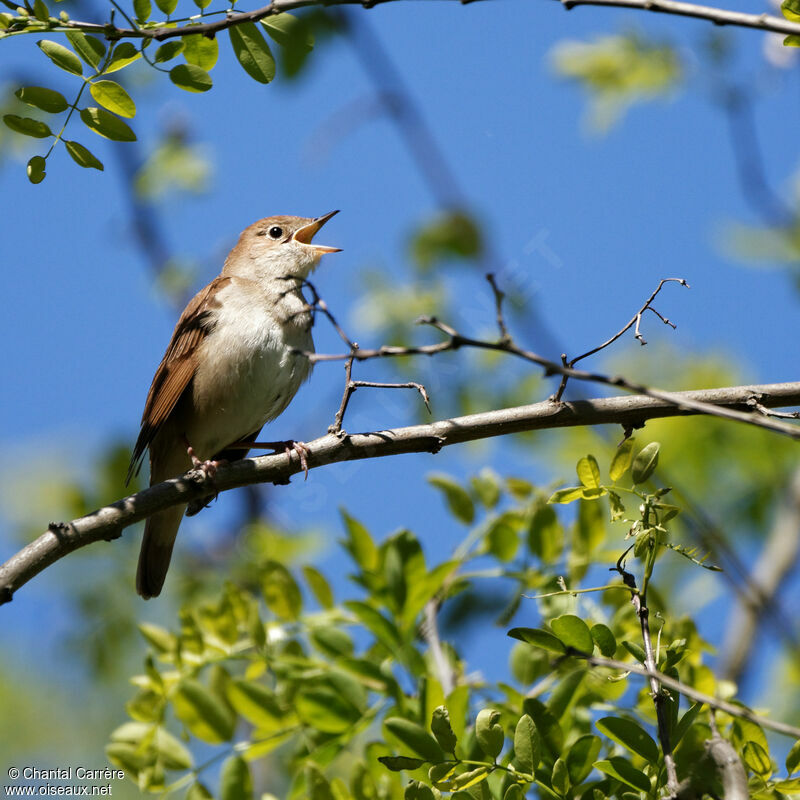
[
  {"x": 718, "y": 16},
  {"x": 630, "y": 412}
]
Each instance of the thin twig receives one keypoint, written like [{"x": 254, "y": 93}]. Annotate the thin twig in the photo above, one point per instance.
[
  {"x": 732, "y": 709},
  {"x": 635, "y": 321},
  {"x": 456, "y": 340}
]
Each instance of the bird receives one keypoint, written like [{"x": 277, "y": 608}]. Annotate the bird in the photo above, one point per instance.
[{"x": 237, "y": 357}]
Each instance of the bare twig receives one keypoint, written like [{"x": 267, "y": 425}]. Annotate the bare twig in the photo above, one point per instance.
[
  {"x": 627, "y": 411},
  {"x": 635, "y": 321},
  {"x": 456, "y": 340}
]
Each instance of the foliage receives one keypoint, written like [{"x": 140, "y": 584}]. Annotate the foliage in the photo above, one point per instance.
[
  {"x": 341, "y": 697},
  {"x": 618, "y": 71},
  {"x": 89, "y": 60}
]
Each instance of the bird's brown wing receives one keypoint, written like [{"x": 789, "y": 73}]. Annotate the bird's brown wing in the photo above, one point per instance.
[{"x": 177, "y": 368}]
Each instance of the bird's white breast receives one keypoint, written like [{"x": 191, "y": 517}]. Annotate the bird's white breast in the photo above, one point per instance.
[{"x": 248, "y": 371}]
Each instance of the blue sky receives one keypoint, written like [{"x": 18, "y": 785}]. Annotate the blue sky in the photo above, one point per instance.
[{"x": 84, "y": 327}]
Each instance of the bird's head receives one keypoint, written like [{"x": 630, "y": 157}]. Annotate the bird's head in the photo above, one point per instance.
[{"x": 280, "y": 247}]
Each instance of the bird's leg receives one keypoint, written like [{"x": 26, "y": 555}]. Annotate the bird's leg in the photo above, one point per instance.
[{"x": 287, "y": 446}]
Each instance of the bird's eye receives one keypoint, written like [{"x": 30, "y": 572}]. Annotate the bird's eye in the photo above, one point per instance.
[{"x": 275, "y": 232}]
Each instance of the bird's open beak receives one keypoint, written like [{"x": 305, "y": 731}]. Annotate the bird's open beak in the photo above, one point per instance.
[{"x": 306, "y": 234}]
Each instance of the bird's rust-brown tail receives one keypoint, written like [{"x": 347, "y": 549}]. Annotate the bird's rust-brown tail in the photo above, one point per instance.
[{"x": 159, "y": 537}]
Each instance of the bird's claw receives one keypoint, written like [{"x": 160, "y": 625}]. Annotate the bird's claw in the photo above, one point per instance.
[{"x": 302, "y": 453}]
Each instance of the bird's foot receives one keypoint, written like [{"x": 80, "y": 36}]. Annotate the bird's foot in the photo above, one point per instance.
[
  {"x": 208, "y": 473},
  {"x": 289, "y": 446},
  {"x": 302, "y": 453},
  {"x": 208, "y": 467}
]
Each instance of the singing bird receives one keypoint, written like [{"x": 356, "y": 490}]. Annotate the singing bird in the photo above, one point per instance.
[{"x": 234, "y": 363}]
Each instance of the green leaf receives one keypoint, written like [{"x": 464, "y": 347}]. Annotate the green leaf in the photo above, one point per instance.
[
  {"x": 201, "y": 4},
  {"x": 142, "y": 9},
  {"x": 47, "y": 100},
  {"x": 324, "y": 708},
  {"x": 124, "y": 53},
  {"x": 281, "y": 592},
  {"x": 235, "y": 782},
  {"x": 636, "y": 650},
  {"x": 793, "y": 40},
  {"x": 545, "y": 534},
  {"x": 645, "y": 462},
  {"x": 400, "y": 763},
  {"x": 793, "y": 759},
  {"x": 202, "y": 712},
  {"x": 630, "y": 735},
  {"x": 171, "y": 751},
  {"x": 527, "y": 745},
  {"x": 112, "y": 96},
  {"x": 384, "y": 630},
  {"x": 107, "y": 125},
  {"x": 573, "y": 632},
  {"x": 319, "y": 586},
  {"x": 89, "y": 48},
  {"x": 201, "y": 51},
  {"x": 35, "y": 169},
  {"x": 286, "y": 29},
  {"x": 359, "y": 543},
  {"x": 590, "y": 529},
  {"x": 294, "y": 35},
  {"x": 588, "y": 472},
  {"x": 331, "y": 641},
  {"x": 486, "y": 486},
  {"x": 560, "y": 777},
  {"x": 41, "y": 11},
  {"x": 581, "y": 756},
  {"x": 502, "y": 536},
  {"x": 623, "y": 456},
  {"x": 757, "y": 759},
  {"x": 156, "y": 636},
  {"x": 624, "y": 771},
  {"x": 167, "y": 6},
  {"x": 415, "y": 738},
  {"x": 27, "y": 126},
  {"x": 168, "y": 51},
  {"x": 197, "y": 791},
  {"x": 61, "y": 56},
  {"x": 489, "y": 734},
  {"x": 685, "y": 723},
  {"x": 604, "y": 639},
  {"x": 442, "y": 730},
  {"x": 252, "y": 51},
  {"x": 458, "y": 499},
  {"x": 791, "y": 10},
  {"x": 467, "y": 779},
  {"x": 568, "y": 495},
  {"x": 450, "y": 235},
  {"x": 538, "y": 638},
  {"x": 191, "y": 78},
  {"x": 514, "y": 792},
  {"x": 255, "y": 702}
]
